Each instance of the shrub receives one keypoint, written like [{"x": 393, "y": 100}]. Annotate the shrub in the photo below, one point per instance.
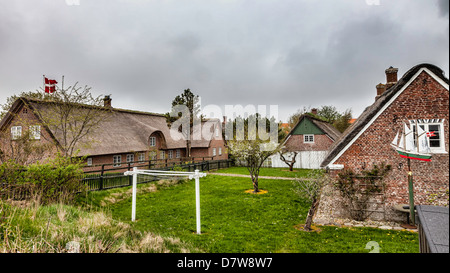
[{"x": 58, "y": 180}]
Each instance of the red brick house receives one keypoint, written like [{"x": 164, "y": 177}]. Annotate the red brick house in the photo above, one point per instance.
[
  {"x": 422, "y": 96},
  {"x": 311, "y": 137},
  {"x": 123, "y": 136}
]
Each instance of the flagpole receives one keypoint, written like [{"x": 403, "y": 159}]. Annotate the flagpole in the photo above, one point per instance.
[{"x": 43, "y": 82}]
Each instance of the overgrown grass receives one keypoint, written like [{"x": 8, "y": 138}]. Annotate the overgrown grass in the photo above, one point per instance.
[{"x": 32, "y": 228}]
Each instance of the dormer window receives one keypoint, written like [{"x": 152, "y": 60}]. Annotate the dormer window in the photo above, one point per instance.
[{"x": 152, "y": 141}]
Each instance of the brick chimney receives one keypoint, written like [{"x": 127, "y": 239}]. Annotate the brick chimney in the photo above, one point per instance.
[
  {"x": 107, "y": 101},
  {"x": 314, "y": 111},
  {"x": 380, "y": 90},
  {"x": 391, "y": 76}
]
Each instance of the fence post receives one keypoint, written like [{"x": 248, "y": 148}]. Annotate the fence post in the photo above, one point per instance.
[
  {"x": 133, "y": 201},
  {"x": 101, "y": 177},
  {"x": 197, "y": 199}
]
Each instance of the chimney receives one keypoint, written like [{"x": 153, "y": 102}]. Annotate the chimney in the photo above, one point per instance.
[
  {"x": 107, "y": 101},
  {"x": 314, "y": 111},
  {"x": 380, "y": 90},
  {"x": 391, "y": 76}
]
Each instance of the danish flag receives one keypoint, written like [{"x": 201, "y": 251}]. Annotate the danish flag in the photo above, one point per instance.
[
  {"x": 430, "y": 134},
  {"x": 49, "y": 85}
]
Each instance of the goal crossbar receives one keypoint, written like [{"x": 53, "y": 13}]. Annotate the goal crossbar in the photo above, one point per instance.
[{"x": 191, "y": 175}]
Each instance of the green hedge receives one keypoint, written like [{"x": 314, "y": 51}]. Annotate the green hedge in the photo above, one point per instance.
[{"x": 57, "y": 180}]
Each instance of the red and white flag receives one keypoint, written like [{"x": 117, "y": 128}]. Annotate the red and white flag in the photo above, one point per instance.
[
  {"x": 430, "y": 134},
  {"x": 50, "y": 85}
]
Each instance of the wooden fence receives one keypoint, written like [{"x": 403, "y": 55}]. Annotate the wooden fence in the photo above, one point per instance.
[{"x": 108, "y": 176}]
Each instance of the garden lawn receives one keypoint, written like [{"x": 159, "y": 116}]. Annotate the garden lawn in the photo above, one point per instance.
[{"x": 235, "y": 221}]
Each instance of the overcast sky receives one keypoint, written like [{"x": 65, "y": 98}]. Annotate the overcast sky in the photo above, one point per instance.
[{"x": 290, "y": 53}]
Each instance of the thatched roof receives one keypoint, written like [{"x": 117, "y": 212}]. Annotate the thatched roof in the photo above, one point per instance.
[
  {"x": 372, "y": 110},
  {"x": 121, "y": 130}
]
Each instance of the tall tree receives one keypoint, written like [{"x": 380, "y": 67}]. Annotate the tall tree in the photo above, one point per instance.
[{"x": 192, "y": 102}]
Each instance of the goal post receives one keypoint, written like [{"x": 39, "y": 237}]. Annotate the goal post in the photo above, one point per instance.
[{"x": 190, "y": 175}]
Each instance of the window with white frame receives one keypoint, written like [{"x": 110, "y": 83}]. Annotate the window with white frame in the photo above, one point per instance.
[
  {"x": 220, "y": 150},
  {"x": 178, "y": 153},
  {"x": 308, "y": 138},
  {"x": 117, "y": 160},
  {"x": 141, "y": 157},
  {"x": 217, "y": 131},
  {"x": 89, "y": 161},
  {"x": 170, "y": 154},
  {"x": 35, "y": 132},
  {"x": 214, "y": 151},
  {"x": 162, "y": 155},
  {"x": 153, "y": 155},
  {"x": 16, "y": 132},
  {"x": 130, "y": 158},
  {"x": 435, "y": 128},
  {"x": 152, "y": 141}
]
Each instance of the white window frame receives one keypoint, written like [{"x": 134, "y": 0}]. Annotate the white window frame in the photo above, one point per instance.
[
  {"x": 307, "y": 138},
  {"x": 35, "y": 132},
  {"x": 178, "y": 153},
  {"x": 117, "y": 160},
  {"x": 16, "y": 132},
  {"x": 162, "y": 155},
  {"x": 152, "y": 141},
  {"x": 217, "y": 131},
  {"x": 153, "y": 155},
  {"x": 220, "y": 150},
  {"x": 130, "y": 158},
  {"x": 89, "y": 161},
  {"x": 214, "y": 151},
  {"x": 141, "y": 157},
  {"x": 170, "y": 154},
  {"x": 425, "y": 124}
]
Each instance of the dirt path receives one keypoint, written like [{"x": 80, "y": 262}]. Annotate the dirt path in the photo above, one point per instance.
[{"x": 244, "y": 175}]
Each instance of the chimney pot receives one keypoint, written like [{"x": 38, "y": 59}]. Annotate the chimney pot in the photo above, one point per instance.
[
  {"x": 107, "y": 101},
  {"x": 314, "y": 111},
  {"x": 391, "y": 76}
]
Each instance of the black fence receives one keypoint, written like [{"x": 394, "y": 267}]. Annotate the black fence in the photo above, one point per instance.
[{"x": 108, "y": 176}]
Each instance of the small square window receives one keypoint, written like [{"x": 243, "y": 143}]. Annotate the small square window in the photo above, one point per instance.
[
  {"x": 130, "y": 158},
  {"x": 89, "y": 161},
  {"x": 35, "y": 132},
  {"x": 308, "y": 138},
  {"x": 16, "y": 132},
  {"x": 117, "y": 159}
]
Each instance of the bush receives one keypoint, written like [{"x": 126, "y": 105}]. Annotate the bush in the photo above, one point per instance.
[{"x": 58, "y": 180}]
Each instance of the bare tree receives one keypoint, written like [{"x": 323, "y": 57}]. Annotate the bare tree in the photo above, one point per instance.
[
  {"x": 311, "y": 189},
  {"x": 69, "y": 114},
  {"x": 288, "y": 157}
]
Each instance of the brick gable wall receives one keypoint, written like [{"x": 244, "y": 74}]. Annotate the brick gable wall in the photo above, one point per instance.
[{"x": 424, "y": 98}]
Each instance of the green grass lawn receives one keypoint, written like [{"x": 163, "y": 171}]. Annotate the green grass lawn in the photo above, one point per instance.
[{"x": 235, "y": 221}]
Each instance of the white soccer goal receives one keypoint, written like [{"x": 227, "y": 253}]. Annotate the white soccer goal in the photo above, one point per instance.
[{"x": 191, "y": 175}]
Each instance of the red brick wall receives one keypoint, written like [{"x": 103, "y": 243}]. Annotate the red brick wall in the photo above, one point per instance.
[
  {"x": 25, "y": 118},
  {"x": 296, "y": 143},
  {"x": 425, "y": 98}
]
